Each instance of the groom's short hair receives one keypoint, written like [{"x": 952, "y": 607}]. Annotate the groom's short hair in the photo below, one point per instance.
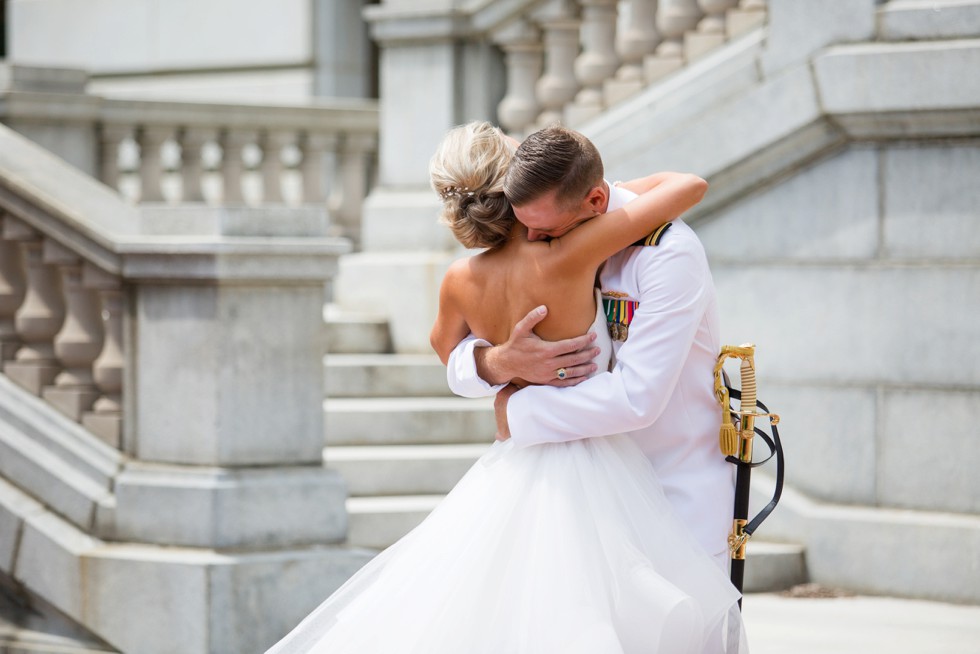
[{"x": 553, "y": 158}]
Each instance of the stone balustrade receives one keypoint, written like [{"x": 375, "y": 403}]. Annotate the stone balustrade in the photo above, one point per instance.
[
  {"x": 61, "y": 328},
  {"x": 568, "y": 60},
  {"x": 185, "y": 152}
]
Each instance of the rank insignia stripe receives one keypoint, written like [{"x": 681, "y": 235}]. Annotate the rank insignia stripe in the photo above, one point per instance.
[{"x": 654, "y": 237}]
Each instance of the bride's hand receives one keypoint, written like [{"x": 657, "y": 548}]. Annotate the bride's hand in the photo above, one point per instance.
[
  {"x": 526, "y": 356},
  {"x": 500, "y": 410}
]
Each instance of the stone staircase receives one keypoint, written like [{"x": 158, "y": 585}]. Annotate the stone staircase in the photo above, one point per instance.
[{"x": 402, "y": 441}]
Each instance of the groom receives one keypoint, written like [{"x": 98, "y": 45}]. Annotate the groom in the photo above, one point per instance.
[{"x": 660, "y": 300}]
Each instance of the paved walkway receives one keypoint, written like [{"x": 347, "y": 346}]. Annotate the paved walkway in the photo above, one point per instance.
[{"x": 859, "y": 625}]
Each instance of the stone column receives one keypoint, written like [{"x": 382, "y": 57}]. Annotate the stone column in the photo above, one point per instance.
[
  {"x": 557, "y": 87},
  {"x": 639, "y": 39},
  {"x": 151, "y": 140},
  {"x": 105, "y": 419},
  {"x": 111, "y": 137},
  {"x": 272, "y": 143},
  {"x": 79, "y": 340},
  {"x": 233, "y": 143},
  {"x": 748, "y": 15},
  {"x": 521, "y": 43},
  {"x": 314, "y": 148},
  {"x": 598, "y": 60},
  {"x": 39, "y": 317},
  {"x": 12, "y": 289},
  {"x": 674, "y": 18},
  {"x": 192, "y": 142},
  {"x": 710, "y": 32},
  {"x": 351, "y": 184}
]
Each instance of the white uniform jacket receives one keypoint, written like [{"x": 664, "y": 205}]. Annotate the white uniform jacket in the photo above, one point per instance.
[{"x": 660, "y": 389}]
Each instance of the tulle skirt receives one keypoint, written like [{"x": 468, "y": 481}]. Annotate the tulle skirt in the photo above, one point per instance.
[{"x": 565, "y": 548}]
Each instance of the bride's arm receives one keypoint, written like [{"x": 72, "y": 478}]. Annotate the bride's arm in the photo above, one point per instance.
[
  {"x": 669, "y": 196},
  {"x": 450, "y": 327}
]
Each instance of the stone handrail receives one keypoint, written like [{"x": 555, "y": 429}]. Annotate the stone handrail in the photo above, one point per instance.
[{"x": 187, "y": 152}]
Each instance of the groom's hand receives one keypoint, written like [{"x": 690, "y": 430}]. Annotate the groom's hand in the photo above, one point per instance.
[{"x": 526, "y": 356}]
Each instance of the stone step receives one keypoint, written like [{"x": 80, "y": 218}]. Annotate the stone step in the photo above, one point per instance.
[
  {"x": 377, "y": 522},
  {"x": 356, "y": 333},
  {"x": 773, "y": 566},
  {"x": 402, "y": 470},
  {"x": 384, "y": 375},
  {"x": 408, "y": 421}
]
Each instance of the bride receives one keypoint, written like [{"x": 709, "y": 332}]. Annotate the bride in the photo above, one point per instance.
[{"x": 560, "y": 548}]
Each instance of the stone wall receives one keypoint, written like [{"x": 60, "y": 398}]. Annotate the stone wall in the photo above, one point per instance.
[
  {"x": 859, "y": 279},
  {"x": 218, "y": 50}
]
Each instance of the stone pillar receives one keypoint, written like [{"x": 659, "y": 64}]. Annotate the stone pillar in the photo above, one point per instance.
[
  {"x": 557, "y": 87},
  {"x": 105, "y": 419},
  {"x": 711, "y": 31},
  {"x": 79, "y": 340},
  {"x": 272, "y": 143},
  {"x": 233, "y": 143},
  {"x": 639, "y": 39},
  {"x": 12, "y": 289},
  {"x": 314, "y": 148},
  {"x": 39, "y": 317},
  {"x": 598, "y": 60},
  {"x": 350, "y": 187},
  {"x": 151, "y": 140},
  {"x": 521, "y": 43},
  {"x": 674, "y": 18},
  {"x": 748, "y": 15},
  {"x": 192, "y": 142},
  {"x": 111, "y": 137}
]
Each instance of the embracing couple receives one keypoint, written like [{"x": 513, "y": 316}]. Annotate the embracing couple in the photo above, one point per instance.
[{"x": 597, "y": 523}]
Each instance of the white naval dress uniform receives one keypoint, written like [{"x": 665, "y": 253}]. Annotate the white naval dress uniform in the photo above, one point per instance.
[{"x": 660, "y": 389}]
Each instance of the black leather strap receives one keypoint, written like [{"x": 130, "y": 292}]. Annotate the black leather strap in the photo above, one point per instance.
[{"x": 775, "y": 449}]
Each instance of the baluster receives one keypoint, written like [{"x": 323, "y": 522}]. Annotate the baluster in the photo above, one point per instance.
[
  {"x": 39, "y": 316},
  {"x": 747, "y": 16},
  {"x": 352, "y": 172},
  {"x": 233, "y": 143},
  {"x": 314, "y": 148},
  {"x": 111, "y": 137},
  {"x": 520, "y": 42},
  {"x": 79, "y": 340},
  {"x": 105, "y": 419},
  {"x": 639, "y": 39},
  {"x": 710, "y": 32},
  {"x": 598, "y": 60},
  {"x": 192, "y": 142},
  {"x": 558, "y": 86},
  {"x": 151, "y": 140},
  {"x": 12, "y": 290},
  {"x": 674, "y": 18},
  {"x": 272, "y": 143}
]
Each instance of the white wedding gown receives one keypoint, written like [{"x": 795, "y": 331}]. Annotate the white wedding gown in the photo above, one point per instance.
[{"x": 563, "y": 548}]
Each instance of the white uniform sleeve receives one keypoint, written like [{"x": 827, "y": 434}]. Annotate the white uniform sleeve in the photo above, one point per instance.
[
  {"x": 461, "y": 370},
  {"x": 673, "y": 285}
]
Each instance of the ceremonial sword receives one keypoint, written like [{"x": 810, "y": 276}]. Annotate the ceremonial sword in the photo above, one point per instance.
[{"x": 738, "y": 429}]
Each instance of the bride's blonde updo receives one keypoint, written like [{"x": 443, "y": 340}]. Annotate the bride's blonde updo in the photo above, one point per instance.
[{"x": 467, "y": 171}]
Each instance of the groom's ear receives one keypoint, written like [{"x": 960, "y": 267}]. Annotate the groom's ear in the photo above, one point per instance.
[{"x": 598, "y": 198}]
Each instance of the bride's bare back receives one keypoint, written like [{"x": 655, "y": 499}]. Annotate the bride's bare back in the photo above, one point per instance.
[{"x": 495, "y": 289}]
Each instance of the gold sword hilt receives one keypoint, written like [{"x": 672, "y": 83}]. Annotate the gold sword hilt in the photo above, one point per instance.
[{"x": 733, "y": 441}]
